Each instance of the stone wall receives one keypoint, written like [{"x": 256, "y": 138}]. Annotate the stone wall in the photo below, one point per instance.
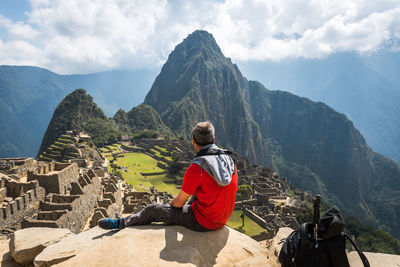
[
  {"x": 82, "y": 163},
  {"x": 112, "y": 198},
  {"x": 16, "y": 189},
  {"x": 69, "y": 211},
  {"x": 132, "y": 149},
  {"x": 16, "y": 210},
  {"x": 245, "y": 203},
  {"x": 58, "y": 181},
  {"x": 82, "y": 208},
  {"x": 260, "y": 221},
  {"x": 3, "y": 194},
  {"x": 17, "y": 166},
  {"x": 153, "y": 173}
]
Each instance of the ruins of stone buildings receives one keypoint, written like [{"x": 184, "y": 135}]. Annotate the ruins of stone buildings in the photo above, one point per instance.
[
  {"x": 49, "y": 195},
  {"x": 72, "y": 146},
  {"x": 271, "y": 205},
  {"x": 73, "y": 194},
  {"x": 135, "y": 201},
  {"x": 66, "y": 194}
]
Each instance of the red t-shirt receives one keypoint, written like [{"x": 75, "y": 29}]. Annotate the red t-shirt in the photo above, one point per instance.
[{"x": 215, "y": 203}]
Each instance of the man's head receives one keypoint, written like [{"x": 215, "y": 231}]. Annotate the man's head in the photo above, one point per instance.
[{"x": 203, "y": 133}]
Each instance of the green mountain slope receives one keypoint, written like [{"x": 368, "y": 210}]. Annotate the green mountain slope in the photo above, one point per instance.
[
  {"x": 77, "y": 111},
  {"x": 142, "y": 117},
  {"x": 314, "y": 146}
]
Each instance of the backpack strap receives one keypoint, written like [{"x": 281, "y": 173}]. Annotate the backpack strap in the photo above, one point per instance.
[
  {"x": 362, "y": 256},
  {"x": 213, "y": 152}
]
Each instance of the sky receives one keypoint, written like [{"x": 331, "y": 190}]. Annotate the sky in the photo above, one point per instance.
[{"x": 85, "y": 36}]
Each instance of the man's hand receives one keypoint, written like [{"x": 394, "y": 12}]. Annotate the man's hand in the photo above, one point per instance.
[{"x": 180, "y": 199}]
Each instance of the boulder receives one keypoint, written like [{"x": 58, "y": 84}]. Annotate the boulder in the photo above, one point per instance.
[
  {"x": 5, "y": 257},
  {"x": 155, "y": 245},
  {"x": 71, "y": 246},
  {"x": 375, "y": 259},
  {"x": 27, "y": 243}
]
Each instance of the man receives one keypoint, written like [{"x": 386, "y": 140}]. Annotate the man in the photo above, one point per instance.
[{"x": 212, "y": 181}]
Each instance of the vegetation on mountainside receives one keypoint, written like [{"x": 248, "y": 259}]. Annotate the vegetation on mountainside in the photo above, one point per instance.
[
  {"x": 141, "y": 122},
  {"x": 77, "y": 111},
  {"x": 144, "y": 134},
  {"x": 372, "y": 240},
  {"x": 102, "y": 131}
]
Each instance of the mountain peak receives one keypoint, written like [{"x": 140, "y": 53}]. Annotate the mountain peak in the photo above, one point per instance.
[
  {"x": 71, "y": 114},
  {"x": 197, "y": 46},
  {"x": 198, "y": 57},
  {"x": 201, "y": 37}
]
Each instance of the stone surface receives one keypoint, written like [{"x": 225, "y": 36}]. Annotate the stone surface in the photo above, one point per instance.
[
  {"x": 375, "y": 259},
  {"x": 274, "y": 246},
  {"x": 27, "y": 243},
  {"x": 5, "y": 257},
  {"x": 155, "y": 245},
  {"x": 71, "y": 246}
]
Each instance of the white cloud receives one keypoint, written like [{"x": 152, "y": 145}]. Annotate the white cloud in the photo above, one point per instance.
[{"x": 79, "y": 36}]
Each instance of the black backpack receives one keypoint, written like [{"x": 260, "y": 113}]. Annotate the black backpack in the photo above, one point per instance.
[{"x": 321, "y": 243}]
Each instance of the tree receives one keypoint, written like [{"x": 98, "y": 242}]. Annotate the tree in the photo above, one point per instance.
[
  {"x": 245, "y": 191},
  {"x": 102, "y": 131}
]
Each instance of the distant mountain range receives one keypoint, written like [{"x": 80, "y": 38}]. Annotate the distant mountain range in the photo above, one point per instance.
[
  {"x": 365, "y": 88},
  {"x": 29, "y": 96}
]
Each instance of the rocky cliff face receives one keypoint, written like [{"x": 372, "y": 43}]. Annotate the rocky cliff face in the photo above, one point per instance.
[
  {"x": 71, "y": 114},
  {"x": 314, "y": 146}
]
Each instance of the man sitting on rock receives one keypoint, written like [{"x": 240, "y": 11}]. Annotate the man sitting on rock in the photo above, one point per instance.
[{"x": 212, "y": 181}]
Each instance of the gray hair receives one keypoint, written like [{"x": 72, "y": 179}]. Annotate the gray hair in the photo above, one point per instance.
[{"x": 203, "y": 133}]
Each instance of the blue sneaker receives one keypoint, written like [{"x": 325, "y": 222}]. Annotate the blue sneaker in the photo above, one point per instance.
[{"x": 109, "y": 223}]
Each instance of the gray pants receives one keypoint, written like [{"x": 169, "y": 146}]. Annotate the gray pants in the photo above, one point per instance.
[{"x": 164, "y": 213}]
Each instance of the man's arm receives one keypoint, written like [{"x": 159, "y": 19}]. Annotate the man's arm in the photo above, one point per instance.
[{"x": 180, "y": 199}]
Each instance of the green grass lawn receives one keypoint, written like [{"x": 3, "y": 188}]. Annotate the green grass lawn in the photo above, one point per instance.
[
  {"x": 139, "y": 162},
  {"x": 250, "y": 228}
]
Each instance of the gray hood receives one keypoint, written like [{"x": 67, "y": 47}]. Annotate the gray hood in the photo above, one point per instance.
[{"x": 220, "y": 167}]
